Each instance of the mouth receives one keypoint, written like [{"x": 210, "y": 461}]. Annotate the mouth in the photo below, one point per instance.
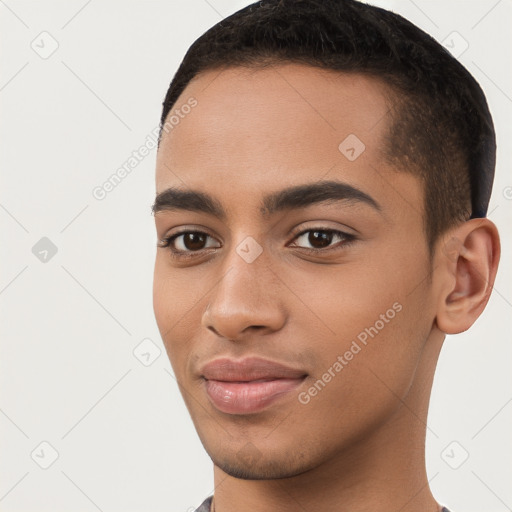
[{"x": 250, "y": 385}]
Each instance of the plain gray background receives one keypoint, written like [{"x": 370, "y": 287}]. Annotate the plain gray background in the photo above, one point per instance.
[{"x": 116, "y": 435}]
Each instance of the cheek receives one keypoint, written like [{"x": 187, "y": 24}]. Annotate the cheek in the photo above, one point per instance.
[
  {"x": 346, "y": 302},
  {"x": 365, "y": 369},
  {"x": 177, "y": 292},
  {"x": 175, "y": 305},
  {"x": 162, "y": 298},
  {"x": 369, "y": 314}
]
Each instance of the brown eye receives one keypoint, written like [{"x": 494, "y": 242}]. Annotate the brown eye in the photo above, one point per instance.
[
  {"x": 187, "y": 242},
  {"x": 194, "y": 241},
  {"x": 321, "y": 239}
]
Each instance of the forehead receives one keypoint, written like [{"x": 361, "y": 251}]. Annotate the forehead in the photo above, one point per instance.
[{"x": 254, "y": 131}]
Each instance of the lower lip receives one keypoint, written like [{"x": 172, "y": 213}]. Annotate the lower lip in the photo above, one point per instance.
[{"x": 248, "y": 397}]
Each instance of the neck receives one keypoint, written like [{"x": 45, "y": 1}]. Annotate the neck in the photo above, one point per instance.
[{"x": 382, "y": 472}]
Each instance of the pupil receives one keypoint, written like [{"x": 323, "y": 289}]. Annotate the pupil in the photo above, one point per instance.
[
  {"x": 319, "y": 239},
  {"x": 194, "y": 241}
]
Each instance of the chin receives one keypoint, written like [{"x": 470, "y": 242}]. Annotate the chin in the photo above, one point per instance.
[{"x": 250, "y": 464}]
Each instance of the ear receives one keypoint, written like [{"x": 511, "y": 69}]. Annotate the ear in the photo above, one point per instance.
[{"x": 467, "y": 262}]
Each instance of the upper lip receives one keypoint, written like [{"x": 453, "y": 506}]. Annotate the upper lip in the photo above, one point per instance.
[{"x": 248, "y": 369}]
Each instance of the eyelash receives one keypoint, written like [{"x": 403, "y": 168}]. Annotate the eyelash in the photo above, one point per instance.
[{"x": 348, "y": 239}]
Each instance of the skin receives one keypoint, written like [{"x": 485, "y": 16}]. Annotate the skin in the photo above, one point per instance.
[{"x": 358, "y": 445}]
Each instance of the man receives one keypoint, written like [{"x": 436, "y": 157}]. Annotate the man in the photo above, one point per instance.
[{"x": 323, "y": 177}]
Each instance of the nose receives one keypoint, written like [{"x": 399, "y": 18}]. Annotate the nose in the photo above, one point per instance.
[{"x": 246, "y": 299}]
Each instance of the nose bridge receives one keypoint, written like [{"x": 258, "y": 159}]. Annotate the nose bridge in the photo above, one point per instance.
[{"x": 246, "y": 294}]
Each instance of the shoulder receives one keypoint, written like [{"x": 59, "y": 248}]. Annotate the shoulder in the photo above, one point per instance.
[{"x": 205, "y": 506}]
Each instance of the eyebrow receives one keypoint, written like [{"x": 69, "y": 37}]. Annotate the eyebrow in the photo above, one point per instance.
[{"x": 296, "y": 197}]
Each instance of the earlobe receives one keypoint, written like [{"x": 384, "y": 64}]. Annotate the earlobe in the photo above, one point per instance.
[{"x": 468, "y": 261}]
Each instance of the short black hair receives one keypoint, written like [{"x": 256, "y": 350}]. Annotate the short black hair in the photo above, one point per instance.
[{"x": 441, "y": 128}]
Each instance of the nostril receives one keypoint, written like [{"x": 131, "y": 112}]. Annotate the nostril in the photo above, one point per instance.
[{"x": 213, "y": 330}]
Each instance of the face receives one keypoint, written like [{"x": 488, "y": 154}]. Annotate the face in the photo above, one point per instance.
[{"x": 295, "y": 296}]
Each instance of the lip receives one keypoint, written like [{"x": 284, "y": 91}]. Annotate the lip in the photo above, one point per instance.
[{"x": 249, "y": 385}]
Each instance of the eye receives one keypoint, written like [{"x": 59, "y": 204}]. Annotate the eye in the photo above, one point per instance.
[
  {"x": 321, "y": 238},
  {"x": 186, "y": 242}
]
